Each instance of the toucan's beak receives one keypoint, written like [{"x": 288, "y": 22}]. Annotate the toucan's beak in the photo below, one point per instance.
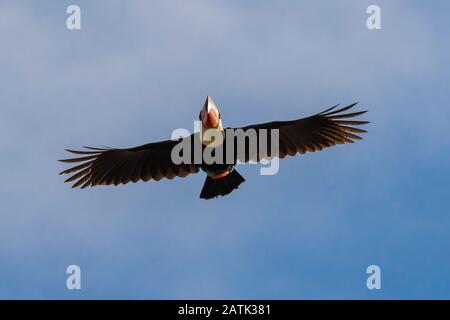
[{"x": 210, "y": 114}]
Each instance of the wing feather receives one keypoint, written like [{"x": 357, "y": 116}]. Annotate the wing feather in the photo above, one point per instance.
[
  {"x": 106, "y": 166},
  {"x": 314, "y": 133}
]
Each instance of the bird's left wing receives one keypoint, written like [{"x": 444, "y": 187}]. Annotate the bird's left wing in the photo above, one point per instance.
[
  {"x": 105, "y": 166},
  {"x": 310, "y": 134}
]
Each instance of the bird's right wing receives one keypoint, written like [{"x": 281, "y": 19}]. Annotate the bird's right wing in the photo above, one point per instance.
[{"x": 105, "y": 166}]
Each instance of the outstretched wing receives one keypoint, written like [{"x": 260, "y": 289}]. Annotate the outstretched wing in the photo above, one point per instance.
[
  {"x": 314, "y": 133},
  {"x": 105, "y": 166}
]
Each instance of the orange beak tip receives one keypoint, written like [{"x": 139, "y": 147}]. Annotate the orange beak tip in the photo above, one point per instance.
[{"x": 213, "y": 119}]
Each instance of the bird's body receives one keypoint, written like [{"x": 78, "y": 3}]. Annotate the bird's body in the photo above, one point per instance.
[
  {"x": 217, "y": 171},
  {"x": 105, "y": 166}
]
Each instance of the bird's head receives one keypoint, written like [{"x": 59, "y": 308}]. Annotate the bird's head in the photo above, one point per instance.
[{"x": 210, "y": 115}]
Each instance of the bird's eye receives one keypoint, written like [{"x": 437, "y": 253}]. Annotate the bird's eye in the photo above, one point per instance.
[
  {"x": 220, "y": 115},
  {"x": 200, "y": 116}
]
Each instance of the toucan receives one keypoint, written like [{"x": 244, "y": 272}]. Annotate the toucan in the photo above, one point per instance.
[{"x": 107, "y": 166}]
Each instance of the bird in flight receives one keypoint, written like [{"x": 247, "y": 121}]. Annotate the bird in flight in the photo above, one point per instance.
[{"x": 155, "y": 160}]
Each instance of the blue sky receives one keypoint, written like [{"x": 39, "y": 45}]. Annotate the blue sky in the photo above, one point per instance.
[{"x": 138, "y": 70}]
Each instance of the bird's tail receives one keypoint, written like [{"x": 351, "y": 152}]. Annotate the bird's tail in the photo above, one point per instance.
[{"x": 221, "y": 186}]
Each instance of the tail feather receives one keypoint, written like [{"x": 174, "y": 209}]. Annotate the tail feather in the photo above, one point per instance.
[{"x": 222, "y": 186}]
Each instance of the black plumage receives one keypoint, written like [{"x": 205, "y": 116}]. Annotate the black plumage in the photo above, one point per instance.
[{"x": 106, "y": 166}]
